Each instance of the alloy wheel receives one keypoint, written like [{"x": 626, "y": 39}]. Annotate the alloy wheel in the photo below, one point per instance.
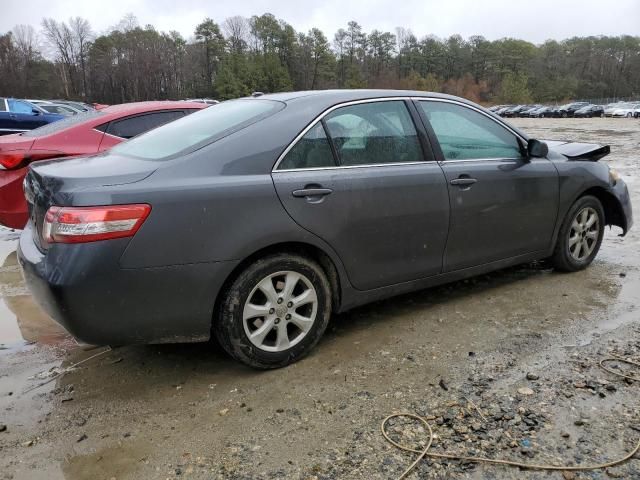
[
  {"x": 584, "y": 233},
  {"x": 280, "y": 311}
]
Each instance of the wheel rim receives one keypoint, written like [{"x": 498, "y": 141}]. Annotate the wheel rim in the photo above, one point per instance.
[
  {"x": 280, "y": 311},
  {"x": 584, "y": 233}
]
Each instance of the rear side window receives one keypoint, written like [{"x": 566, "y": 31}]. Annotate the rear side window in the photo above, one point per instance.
[
  {"x": 311, "y": 151},
  {"x": 17, "y": 106},
  {"x": 3, "y": 105},
  {"x": 134, "y": 126},
  {"x": 465, "y": 134},
  {"x": 374, "y": 133},
  {"x": 199, "y": 129}
]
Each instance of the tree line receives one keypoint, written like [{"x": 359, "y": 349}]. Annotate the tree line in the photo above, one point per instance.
[{"x": 263, "y": 53}]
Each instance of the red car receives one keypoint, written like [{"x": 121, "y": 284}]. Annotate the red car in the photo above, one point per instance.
[{"x": 81, "y": 134}]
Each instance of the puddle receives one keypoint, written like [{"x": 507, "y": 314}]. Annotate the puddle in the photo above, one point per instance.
[
  {"x": 8, "y": 242},
  {"x": 22, "y": 322}
]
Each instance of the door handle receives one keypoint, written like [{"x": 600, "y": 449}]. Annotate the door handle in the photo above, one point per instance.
[
  {"x": 311, "y": 192},
  {"x": 463, "y": 181}
]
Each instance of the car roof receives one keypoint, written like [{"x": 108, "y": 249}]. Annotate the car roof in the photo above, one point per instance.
[
  {"x": 139, "y": 107},
  {"x": 320, "y": 100}
]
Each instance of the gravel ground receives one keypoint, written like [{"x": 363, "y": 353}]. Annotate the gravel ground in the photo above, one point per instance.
[{"x": 503, "y": 365}]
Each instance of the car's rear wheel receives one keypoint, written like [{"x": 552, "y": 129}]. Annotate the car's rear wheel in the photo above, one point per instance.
[
  {"x": 580, "y": 235},
  {"x": 274, "y": 312}
]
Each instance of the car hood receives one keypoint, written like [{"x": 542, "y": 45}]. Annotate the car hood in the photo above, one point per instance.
[{"x": 579, "y": 151}]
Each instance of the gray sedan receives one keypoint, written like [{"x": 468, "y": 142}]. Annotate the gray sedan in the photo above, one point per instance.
[{"x": 254, "y": 220}]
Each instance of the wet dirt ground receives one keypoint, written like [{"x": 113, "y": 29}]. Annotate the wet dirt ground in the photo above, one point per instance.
[{"x": 176, "y": 411}]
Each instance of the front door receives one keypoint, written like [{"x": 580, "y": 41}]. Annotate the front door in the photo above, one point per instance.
[
  {"x": 359, "y": 180},
  {"x": 503, "y": 204}
]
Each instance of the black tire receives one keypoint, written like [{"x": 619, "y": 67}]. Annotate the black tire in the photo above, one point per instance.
[
  {"x": 565, "y": 114},
  {"x": 228, "y": 325},
  {"x": 562, "y": 259}
]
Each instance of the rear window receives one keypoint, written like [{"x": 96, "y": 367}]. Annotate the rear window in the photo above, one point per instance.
[
  {"x": 198, "y": 129},
  {"x": 60, "y": 125}
]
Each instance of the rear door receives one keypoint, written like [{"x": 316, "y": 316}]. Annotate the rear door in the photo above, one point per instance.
[
  {"x": 23, "y": 115},
  {"x": 503, "y": 204},
  {"x": 361, "y": 180}
]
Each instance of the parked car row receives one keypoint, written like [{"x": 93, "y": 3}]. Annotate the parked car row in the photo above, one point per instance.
[
  {"x": 85, "y": 133},
  {"x": 573, "y": 109},
  {"x": 21, "y": 115}
]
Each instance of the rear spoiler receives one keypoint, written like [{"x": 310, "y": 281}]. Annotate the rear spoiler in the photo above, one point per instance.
[{"x": 580, "y": 151}]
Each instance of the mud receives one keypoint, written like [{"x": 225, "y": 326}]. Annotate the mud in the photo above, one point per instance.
[{"x": 188, "y": 411}]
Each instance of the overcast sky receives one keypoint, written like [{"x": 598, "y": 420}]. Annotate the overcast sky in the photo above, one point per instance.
[{"x": 534, "y": 21}]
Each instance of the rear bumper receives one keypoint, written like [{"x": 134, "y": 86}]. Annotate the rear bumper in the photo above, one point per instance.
[
  {"x": 13, "y": 206},
  {"x": 84, "y": 289}
]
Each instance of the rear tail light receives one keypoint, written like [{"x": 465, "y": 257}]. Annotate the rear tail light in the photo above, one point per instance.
[
  {"x": 90, "y": 224},
  {"x": 16, "y": 158}
]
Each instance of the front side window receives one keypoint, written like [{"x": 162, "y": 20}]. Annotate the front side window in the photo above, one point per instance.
[
  {"x": 311, "y": 151},
  {"x": 374, "y": 133},
  {"x": 465, "y": 134},
  {"x": 194, "y": 131}
]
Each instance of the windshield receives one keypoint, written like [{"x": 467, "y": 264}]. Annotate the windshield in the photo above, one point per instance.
[
  {"x": 199, "y": 129},
  {"x": 60, "y": 125}
]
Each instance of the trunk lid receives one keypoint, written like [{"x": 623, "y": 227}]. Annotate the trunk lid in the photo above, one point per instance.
[
  {"x": 15, "y": 142},
  {"x": 54, "y": 182},
  {"x": 579, "y": 151}
]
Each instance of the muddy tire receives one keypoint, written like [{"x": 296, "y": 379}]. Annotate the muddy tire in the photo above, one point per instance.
[
  {"x": 580, "y": 235},
  {"x": 274, "y": 312}
]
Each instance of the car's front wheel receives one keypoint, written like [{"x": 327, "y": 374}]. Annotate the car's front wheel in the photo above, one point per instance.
[
  {"x": 274, "y": 312},
  {"x": 580, "y": 235}
]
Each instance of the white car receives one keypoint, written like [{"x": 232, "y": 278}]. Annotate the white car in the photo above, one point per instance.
[
  {"x": 627, "y": 110},
  {"x": 612, "y": 107}
]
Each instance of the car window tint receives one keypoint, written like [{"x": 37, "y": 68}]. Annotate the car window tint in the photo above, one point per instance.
[
  {"x": 311, "y": 151},
  {"x": 3, "y": 105},
  {"x": 199, "y": 129},
  {"x": 465, "y": 134},
  {"x": 133, "y": 126},
  {"x": 17, "y": 106},
  {"x": 374, "y": 133}
]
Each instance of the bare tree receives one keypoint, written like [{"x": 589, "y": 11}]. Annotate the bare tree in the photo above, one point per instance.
[
  {"x": 71, "y": 44},
  {"x": 25, "y": 40},
  {"x": 81, "y": 38},
  {"x": 236, "y": 30}
]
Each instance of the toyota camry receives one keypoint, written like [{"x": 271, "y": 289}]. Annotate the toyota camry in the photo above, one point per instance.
[{"x": 252, "y": 222}]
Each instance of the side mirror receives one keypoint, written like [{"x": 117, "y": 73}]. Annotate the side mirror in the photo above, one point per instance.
[
  {"x": 35, "y": 111},
  {"x": 536, "y": 148}
]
